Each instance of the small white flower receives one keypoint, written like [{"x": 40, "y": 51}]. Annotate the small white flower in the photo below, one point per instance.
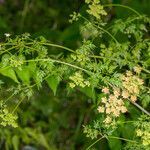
[{"x": 7, "y": 34}]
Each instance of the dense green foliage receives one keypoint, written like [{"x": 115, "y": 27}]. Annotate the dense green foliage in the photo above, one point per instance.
[{"x": 93, "y": 95}]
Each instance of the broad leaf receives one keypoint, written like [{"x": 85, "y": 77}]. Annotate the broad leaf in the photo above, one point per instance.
[
  {"x": 15, "y": 142},
  {"x": 32, "y": 68},
  {"x": 114, "y": 142},
  {"x": 24, "y": 75},
  {"x": 88, "y": 91},
  {"x": 53, "y": 83},
  {"x": 42, "y": 140},
  {"x": 9, "y": 72}
]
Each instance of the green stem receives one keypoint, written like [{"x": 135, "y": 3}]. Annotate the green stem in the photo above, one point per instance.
[
  {"x": 95, "y": 142},
  {"x": 108, "y": 34},
  {"x": 60, "y": 62},
  {"x": 125, "y": 22},
  {"x": 7, "y": 44},
  {"x": 124, "y": 122},
  {"x": 17, "y": 105},
  {"x": 9, "y": 49},
  {"x": 124, "y": 6},
  {"x": 101, "y": 29},
  {"x": 114, "y": 137},
  {"x": 9, "y": 98},
  {"x": 147, "y": 71},
  {"x": 141, "y": 108},
  {"x": 58, "y": 46}
]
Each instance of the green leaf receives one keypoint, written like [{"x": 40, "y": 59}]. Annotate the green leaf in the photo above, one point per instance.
[
  {"x": 15, "y": 142},
  {"x": 114, "y": 143},
  {"x": 42, "y": 140},
  {"x": 32, "y": 68},
  {"x": 9, "y": 72},
  {"x": 145, "y": 98},
  {"x": 88, "y": 91},
  {"x": 127, "y": 131},
  {"x": 24, "y": 75},
  {"x": 53, "y": 82}
]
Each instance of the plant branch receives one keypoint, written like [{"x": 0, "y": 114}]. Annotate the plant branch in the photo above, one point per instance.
[
  {"x": 60, "y": 62},
  {"x": 17, "y": 105},
  {"x": 101, "y": 29},
  {"x": 114, "y": 137},
  {"x": 140, "y": 107},
  {"x": 124, "y": 6},
  {"x": 95, "y": 142},
  {"x": 58, "y": 46}
]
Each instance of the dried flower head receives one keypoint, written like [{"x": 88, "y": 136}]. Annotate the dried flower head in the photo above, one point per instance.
[
  {"x": 101, "y": 109},
  {"x": 105, "y": 90},
  {"x": 133, "y": 98},
  {"x": 125, "y": 94},
  {"x": 116, "y": 92},
  {"x": 132, "y": 85},
  {"x": 112, "y": 104},
  {"x": 108, "y": 120},
  {"x": 137, "y": 69}
]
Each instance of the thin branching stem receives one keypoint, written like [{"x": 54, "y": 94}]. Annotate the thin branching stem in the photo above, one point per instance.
[
  {"x": 119, "y": 138},
  {"x": 58, "y": 46},
  {"x": 17, "y": 105},
  {"x": 11, "y": 96},
  {"x": 60, "y": 62},
  {"x": 145, "y": 70},
  {"x": 95, "y": 142},
  {"x": 9, "y": 49},
  {"x": 86, "y": 71},
  {"x": 139, "y": 107},
  {"x": 124, "y": 6},
  {"x": 101, "y": 29}
]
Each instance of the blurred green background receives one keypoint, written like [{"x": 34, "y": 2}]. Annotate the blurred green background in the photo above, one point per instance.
[{"x": 48, "y": 121}]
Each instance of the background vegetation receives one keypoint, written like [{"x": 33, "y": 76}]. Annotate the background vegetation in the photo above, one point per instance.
[{"x": 50, "y": 120}]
